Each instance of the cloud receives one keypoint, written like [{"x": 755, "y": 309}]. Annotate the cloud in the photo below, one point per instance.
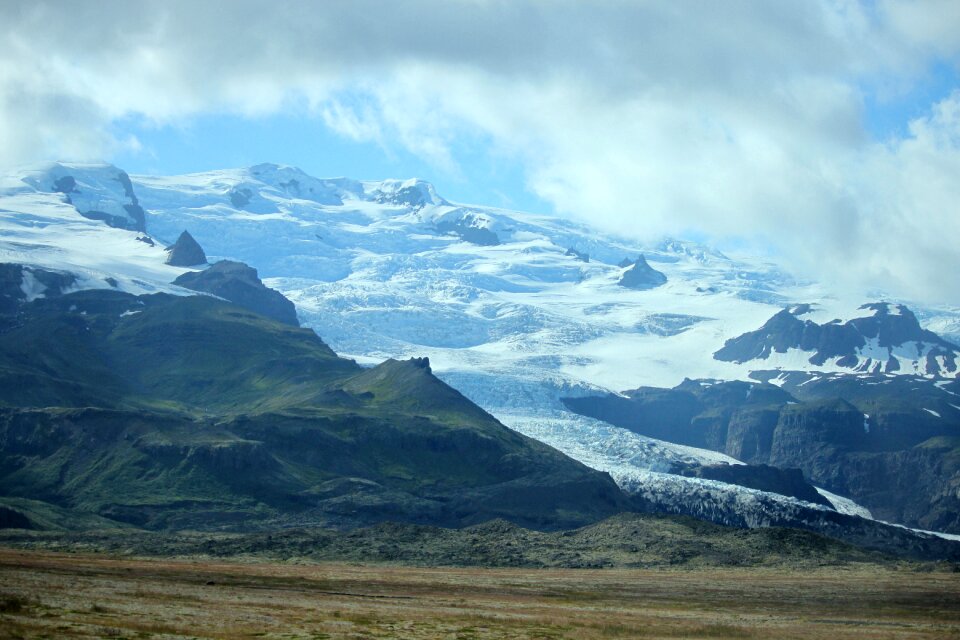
[{"x": 739, "y": 119}]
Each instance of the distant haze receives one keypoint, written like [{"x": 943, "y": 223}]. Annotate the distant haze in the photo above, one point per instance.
[{"x": 826, "y": 131}]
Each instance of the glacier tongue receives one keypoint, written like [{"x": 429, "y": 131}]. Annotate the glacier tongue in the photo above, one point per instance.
[{"x": 502, "y": 302}]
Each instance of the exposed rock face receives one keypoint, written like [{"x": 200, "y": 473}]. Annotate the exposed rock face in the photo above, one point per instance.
[
  {"x": 891, "y": 328},
  {"x": 816, "y": 430},
  {"x": 186, "y": 252},
  {"x": 786, "y": 482},
  {"x": 891, "y": 444},
  {"x": 411, "y": 193},
  {"x": 579, "y": 255},
  {"x": 240, "y": 284},
  {"x": 19, "y": 284},
  {"x": 469, "y": 229},
  {"x": 95, "y": 197},
  {"x": 749, "y": 434},
  {"x": 240, "y": 197},
  {"x": 641, "y": 276}
]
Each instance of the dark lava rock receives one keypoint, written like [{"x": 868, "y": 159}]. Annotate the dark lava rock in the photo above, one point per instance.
[
  {"x": 186, "y": 252},
  {"x": 890, "y": 325},
  {"x": 12, "y": 276},
  {"x": 468, "y": 233},
  {"x": 240, "y": 284},
  {"x": 134, "y": 210},
  {"x": 240, "y": 198},
  {"x": 786, "y": 482},
  {"x": 641, "y": 276}
]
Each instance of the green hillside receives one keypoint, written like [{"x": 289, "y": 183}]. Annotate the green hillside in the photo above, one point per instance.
[{"x": 173, "y": 412}]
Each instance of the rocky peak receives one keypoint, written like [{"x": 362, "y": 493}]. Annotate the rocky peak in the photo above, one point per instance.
[
  {"x": 241, "y": 285},
  {"x": 641, "y": 276},
  {"x": 412, "y": 193},
  {"x": 894, "y": 324},
  {"x": 889, "y": 340},
  {"x": 186, "y": 252},
  {"x": 421, "y": 363}
]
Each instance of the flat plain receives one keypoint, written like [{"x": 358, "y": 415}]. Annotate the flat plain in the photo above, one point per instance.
[{"x": 70, "y": 595}]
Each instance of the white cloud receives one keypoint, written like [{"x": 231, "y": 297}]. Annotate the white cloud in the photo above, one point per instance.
[
  {"x": 931, "y": 25},
  {"x": 737, "y": 119}
]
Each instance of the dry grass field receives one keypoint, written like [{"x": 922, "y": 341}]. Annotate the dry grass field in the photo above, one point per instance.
[{"x": 53, "y": 595}]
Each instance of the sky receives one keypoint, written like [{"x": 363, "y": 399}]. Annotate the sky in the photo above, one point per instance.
[{"x": 825, "y": 132}]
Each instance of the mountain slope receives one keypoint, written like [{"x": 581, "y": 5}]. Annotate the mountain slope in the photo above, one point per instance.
[
  {"x": 503, "y": 303},
  {"x": 890, "y": 443},
  {"x": 166, "y": 411},
  {"x": 888, "y": 339}
]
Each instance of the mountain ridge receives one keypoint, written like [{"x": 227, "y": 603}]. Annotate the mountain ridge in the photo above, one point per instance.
[
  {"x": 888, "y": 341},
  {"x": 492, "y": 297}
]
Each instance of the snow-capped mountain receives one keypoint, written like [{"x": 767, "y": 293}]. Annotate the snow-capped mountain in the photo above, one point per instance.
[
  {"x": 44, "y": 227},
  {"x": 885, "y": 338},
  {"x": 95, "y": 191},
  {"x": 515, "y": 310}
]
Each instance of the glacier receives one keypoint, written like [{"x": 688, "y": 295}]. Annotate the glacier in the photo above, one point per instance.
[{"x": 502, "y": 302}]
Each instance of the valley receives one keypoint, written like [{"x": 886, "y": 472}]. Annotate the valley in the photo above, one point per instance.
[
  {"x": 478, "y": 320},
  {"x": 350, "y": 353}
]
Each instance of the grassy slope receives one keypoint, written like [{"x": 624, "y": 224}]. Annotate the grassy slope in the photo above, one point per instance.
[{"x": 191, "y": 412}]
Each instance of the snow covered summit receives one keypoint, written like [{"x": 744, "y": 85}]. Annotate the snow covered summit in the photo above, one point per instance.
[
  {"x": 881, "y": 338},
  {"x": 501, "y": 302}
]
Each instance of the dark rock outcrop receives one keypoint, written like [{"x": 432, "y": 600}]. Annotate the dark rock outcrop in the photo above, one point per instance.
[
  {"x": 16, "y": 280},
  {"x": 133, "y": 208},
  {"x": 240, "y": 284},
  {"x": 468, "y": 232},
  {"x": 889, "y": 325},
  {"x": 135, "y": 220},
  {"x": 186, "y": 252},
  {"x": 786, "y": 482},
  {"x": 415, "y": 194},
  {"x": 641, "y": 276},
  {"x": 240, "y": 197},
  {"x": 890, "y": 444},
  {"x": 579, "y": 255},
  {"x": 816, "y": 430}
]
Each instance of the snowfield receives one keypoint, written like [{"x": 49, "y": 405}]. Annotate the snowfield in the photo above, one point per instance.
[{"x": 502, "y": 302}]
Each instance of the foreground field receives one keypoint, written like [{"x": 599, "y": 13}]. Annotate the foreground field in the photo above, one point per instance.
[{"x": 66, "y": 595}]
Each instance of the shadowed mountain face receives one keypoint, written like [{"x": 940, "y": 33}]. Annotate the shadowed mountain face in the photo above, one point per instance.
[
  {"x": 641, "y": 276},
  {"x": 186, "y": 252},
  {"x": 892, "y": 443},
  {"x": 97, "y": 192},
  {"x": 171, "y": 412},
  {"x": 241, "y": 285},
  {"x": 887, "y": 340}
]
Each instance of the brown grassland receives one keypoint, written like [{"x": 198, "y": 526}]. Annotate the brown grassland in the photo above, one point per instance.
[{"x": 58, "y": 595}]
